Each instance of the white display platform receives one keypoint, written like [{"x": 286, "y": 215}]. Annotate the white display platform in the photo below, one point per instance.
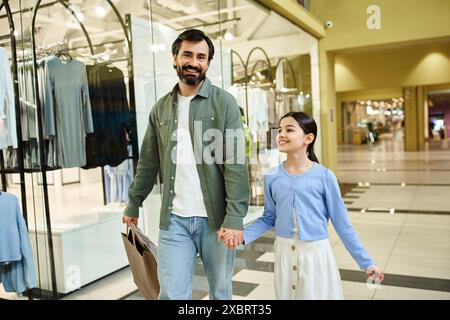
[{"x": 86, "y": 248}]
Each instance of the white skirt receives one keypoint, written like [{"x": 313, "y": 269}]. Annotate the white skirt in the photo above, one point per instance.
[{"x": 306, "y": 270}]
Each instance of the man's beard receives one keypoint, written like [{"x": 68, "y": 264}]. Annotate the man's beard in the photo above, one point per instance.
[{"x": 190, "y": 80}]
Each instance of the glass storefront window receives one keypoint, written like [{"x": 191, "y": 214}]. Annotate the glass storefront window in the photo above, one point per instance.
[{"x": 89, "y": 150}]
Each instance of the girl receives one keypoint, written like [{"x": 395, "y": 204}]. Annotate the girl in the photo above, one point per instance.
[{"x": 300, "y": 196}]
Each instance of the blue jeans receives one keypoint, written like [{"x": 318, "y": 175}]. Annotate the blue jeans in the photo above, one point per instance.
[{"x": 177, "y": 251}]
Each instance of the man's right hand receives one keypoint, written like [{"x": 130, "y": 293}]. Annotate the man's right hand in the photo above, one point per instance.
[{"x": 130, "y": 220}]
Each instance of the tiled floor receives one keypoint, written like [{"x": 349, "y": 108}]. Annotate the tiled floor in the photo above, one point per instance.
[{"x": 411, "y": 243}]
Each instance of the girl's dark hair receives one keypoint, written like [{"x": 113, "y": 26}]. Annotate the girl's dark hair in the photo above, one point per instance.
[
  {"x": 193, "y": 35},
  {"x": 308, "y": 125}
]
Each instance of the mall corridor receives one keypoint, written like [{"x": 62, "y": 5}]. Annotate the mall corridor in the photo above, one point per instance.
[{"x": 399, "y": 204}]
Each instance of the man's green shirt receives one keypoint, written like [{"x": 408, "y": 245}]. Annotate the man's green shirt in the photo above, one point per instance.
[{"x": 224, "y": 180}]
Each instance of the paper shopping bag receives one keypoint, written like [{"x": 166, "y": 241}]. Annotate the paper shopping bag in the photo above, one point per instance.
[{"x": 141, "y": 253}]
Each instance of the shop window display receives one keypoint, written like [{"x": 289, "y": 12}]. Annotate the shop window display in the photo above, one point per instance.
[
  {"x": 78, "y": 164},
  {"x": 366, "y": 122}
]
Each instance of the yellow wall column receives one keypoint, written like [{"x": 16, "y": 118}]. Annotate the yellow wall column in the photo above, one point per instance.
[
  {"x": 410, "y": 107},
  {"x": 421, "y": 104},
  {"x": 328, "y": 109},
  {"x": 415, "y": 104},
  {"x": 339, "y": 121}
]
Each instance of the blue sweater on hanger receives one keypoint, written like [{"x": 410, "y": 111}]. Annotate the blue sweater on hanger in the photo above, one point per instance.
[{"x": 17, "y": 271}]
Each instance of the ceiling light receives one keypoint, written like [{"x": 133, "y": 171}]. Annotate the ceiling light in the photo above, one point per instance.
[
  {"x": 100, "y": 11},
  {"x": 228, "y": 36},
  {"x": 154, "y": 48}
]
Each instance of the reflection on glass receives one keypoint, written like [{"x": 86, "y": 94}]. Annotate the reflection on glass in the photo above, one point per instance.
[{"x": 118, "y": 87}]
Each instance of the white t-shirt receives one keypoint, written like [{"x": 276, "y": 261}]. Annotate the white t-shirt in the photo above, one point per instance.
[{"x": 188, "y": 200}]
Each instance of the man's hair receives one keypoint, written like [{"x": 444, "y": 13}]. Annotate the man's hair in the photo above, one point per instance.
[{"x": 193, "y": 35}]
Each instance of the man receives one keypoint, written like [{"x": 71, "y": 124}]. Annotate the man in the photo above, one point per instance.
[{"x": 202, "y": 199}]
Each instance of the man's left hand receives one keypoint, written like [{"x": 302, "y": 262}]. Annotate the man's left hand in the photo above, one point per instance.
[{"x": 231, "y": 238}]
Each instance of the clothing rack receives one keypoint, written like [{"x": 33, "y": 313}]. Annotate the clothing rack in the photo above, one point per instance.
[
  {"x": 9, "y": 14},
  {"x": 270, "y": 84}
]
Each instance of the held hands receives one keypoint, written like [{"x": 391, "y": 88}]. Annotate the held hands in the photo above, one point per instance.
[
  {"x": 374, "y": 272},
  {"x": 231, "y": 238}
]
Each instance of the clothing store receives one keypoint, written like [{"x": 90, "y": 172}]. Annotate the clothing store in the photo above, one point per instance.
[
  {"x": 79, "y": 79},
  {"x": 369, "y": 121}
]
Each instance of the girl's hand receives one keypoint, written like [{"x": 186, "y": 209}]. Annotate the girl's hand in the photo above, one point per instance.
[
  {"x": 375, "y": 273},
  {"x": 230, "y": 237}
]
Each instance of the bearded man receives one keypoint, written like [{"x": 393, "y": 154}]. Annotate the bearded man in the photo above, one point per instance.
[{"x": 206, "y": 190}]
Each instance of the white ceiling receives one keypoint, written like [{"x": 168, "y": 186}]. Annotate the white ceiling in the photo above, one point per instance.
[{"x": 246, "y": 19}]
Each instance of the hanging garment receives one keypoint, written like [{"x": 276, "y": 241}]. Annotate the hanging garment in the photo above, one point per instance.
[
  {"x": 118, "y": 180},
  {"x": 127, "y": 177},
  {"x": 273, "y": 120},
  {"x": 111, "y": 117},
  {"x": 17, "y": 271},
  {"x": 67, "y": 110},
  {"x": 258, "y": 119},
  {"x": 27, "y": 101},
  {"x": 255, "y": 101},
  {"x": 8, "y": 133},
  {"x": 238, "y": 92}
]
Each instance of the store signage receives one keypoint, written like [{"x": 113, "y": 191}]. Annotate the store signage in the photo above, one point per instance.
[{"x": 374, "y": 19}]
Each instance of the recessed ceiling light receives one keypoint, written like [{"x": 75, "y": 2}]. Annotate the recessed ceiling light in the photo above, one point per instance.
[
  {"x": 228, "y": 36},
  {"x": 100, "y": 11}
]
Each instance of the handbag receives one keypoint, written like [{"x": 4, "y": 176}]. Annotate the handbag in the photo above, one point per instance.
[{"x": 142, "y": 255}]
